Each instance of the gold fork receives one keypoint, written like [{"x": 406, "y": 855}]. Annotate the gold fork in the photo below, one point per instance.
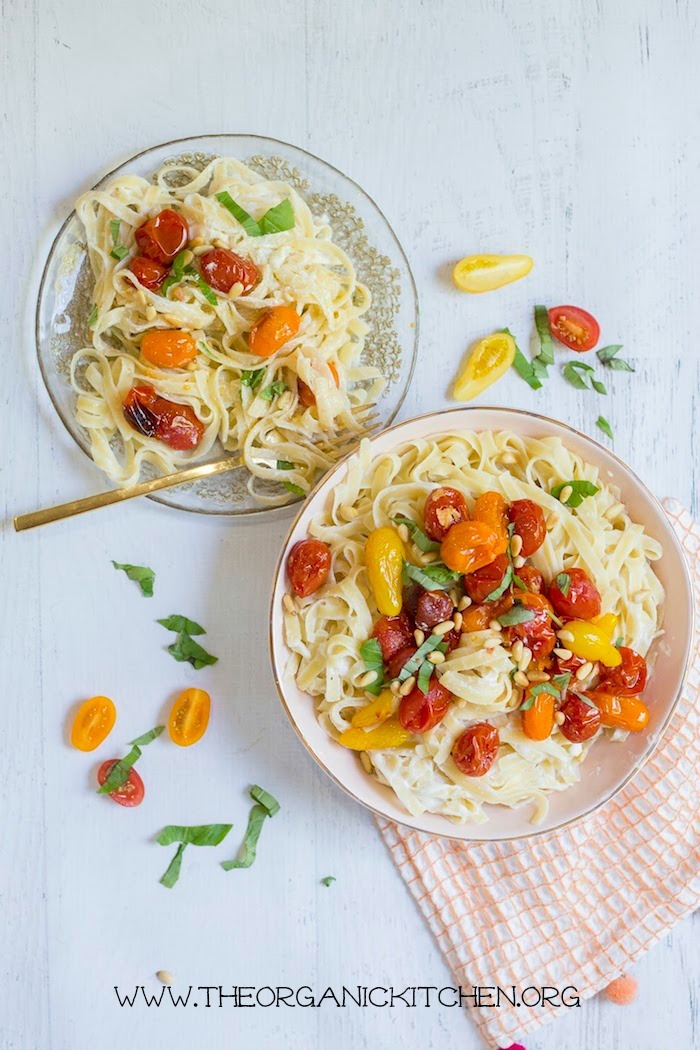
[{"x": 342, "y": 443}]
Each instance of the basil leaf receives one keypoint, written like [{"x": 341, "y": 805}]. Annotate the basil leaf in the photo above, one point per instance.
[
  {"x": 546, "y": 355},
  {"x": 563, "y": 582},
  {"x": 273, "y": 390},
  {"x": 296, "y": 490},
  {"x": 252, "y": 379},
  {"x": 172, "y": 873},
  {"x": 247, "y": 853},
  {"x": 92, "y": 319},
  {"x": 181, "y": 623},
  {"x": 206, "y": 289},
  {"x": 607, "y": 355},
  {"x": 433, "y": 577},
  {"x": 618, "y": 642},
  {"x": 184, "y": 648},
  {"x": 328, "y": 880},
  {"x": 114, "y": 228},
  {"x": 518, "y": 614},
  {"x": 602, "y": 424},
  {"x": 503, "y": 586},
  {"x": 579, "y": 491},
  {"x": 523, "y": 367},
  {"x": 177, "y": 272},
  {"x": 119, "y": 773},
  {"x": 578, "y": 374},
  {"x": 561, "y": 681},
  {"x": 265, "y": 799},
  {"x": 240, "y": 214},
  {"x": 371, "y": 653},
  {"x": 194, "y": 835},
  {"x": 424, "y": 675},
  {"x": 141, "y": 574},
  {"x": 119, "y": 251},
  {"x": 520, "y": 583},
  {"x": 278, "y": 219},
  {"x": 284, "y": 464},
  {"x": 598, "y": 386},
  {"x": 422, "y": 542},
  {"x": 435, "y": 641},
  {"x": 149, "y": 737},
  {"x": 585, "y": 699}
]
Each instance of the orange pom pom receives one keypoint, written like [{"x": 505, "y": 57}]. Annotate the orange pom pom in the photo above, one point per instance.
[{"x": 622, "y": 991}]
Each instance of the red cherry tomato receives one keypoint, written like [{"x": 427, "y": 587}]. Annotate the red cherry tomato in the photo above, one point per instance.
[
  {"x": 222, "y": 269},
  {"x": 580, "y": 600},
  {"x": 444, "y": 508},
  {"x": 628, "y": 678},
  {"x": 153, "y": 416},
  {"x": 163, "y": 236},
  {"x": 532, "y": 578},
  {"x": 528, "y": 521},
  {"x": 131, "y": 792},
  {"x": 308, "y": 565},
  {"x": 419, "y": 713},
  {"x": 433, "y": 607},
  {"x": 148, "y": 272},
  {"x": 581, "y": 721},
  {"x": 574, "y": 327},
  {"x": 396, "y": 662},
  {"x": 621, "y": 711},
  {"x": 571, "y": 665},
  {"x": 475, "y": 750},
  {"x": 480, "y": 583},
  {"x": 393, "y": 633},
  {"x": 537, "y": 634}
]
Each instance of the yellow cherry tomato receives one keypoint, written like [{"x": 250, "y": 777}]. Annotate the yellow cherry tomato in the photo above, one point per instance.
[
  {"x": 590, "y": 642},
  {"x": 93, "y": 723},
  {"x": 483, "y": 273},
  {"x": 390, "y": 734},
  {"x": 189, "y": 717},
  {"x": 384, "y": 557},
  {"x": 490, "y": 359},
  {"x": 608, "y": 624},
  {"x": 377, "y": 711}
]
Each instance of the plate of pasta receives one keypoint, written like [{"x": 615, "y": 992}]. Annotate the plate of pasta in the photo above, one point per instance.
[
  {"x": 221, "y": 295},
  {"x": 480, "y": 624}
]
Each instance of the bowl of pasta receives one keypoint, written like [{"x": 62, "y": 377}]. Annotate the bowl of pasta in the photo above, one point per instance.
[
  {"x": 225, "y": 295},
  {"x": 480, "y": 624}
]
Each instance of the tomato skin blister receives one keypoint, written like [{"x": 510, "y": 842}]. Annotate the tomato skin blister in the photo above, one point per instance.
[
  {"x": 444, "y": 508},
  {"x": 476, "y": 749},
  {"x": 308, "y": 565}
]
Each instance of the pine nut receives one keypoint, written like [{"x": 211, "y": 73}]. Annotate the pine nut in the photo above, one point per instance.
[
  {"x": 566, "y": 493},
  {"x": 172, "y": 320},
  {"x": 525, "y": 660},
  {"x": 584, "y": 671},
  {"x": 395, "y": 686},
  {"x": 187, "y": 256},
  {"x": 288, "y": 603},
  {"x": 419, "y": 636},
  {"x": 516, "y": 545},
  {"x": 508, "y": 459},
  {"x": 428, "y": 557},
  {"x": 165, "y": 976},
  {"x": 495, "y": 625},
  {"x": 521, "y": 679},
  {"x": 454, "y": 597},
  {"x": 551, "y": 519},
  {"x": 517, "y": 650},
  {"x": 403, "y": 533},
  {"x": 436, "y": 657},
  {"x": 367, "y": 679},
  {"x": 151, "y": 313},
  {"x": 464, "y": 603},
  {"x": 563, "y": 654},
  {"x": 200, "y": 249},
  {"x": 537, "y": 676},
  {"x": 560, "y": 718},
  {"x": 444, "y": 628},
  {"x": 196, "y": 242},
  {"x": 518, "y": 562},
  {"x": 408, "y": 686},
  {"x": 458, "y": 618},
  {"x": 565, "y": 636},
  {"x": 141, "y": 296}
]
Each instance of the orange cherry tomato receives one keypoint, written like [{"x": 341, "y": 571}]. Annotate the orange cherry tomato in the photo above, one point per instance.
[
  {"x": 148, "y": 272},
  {"x": 627, "y": 679},
  {"x": 620, "y": 711},
  {"x": 470, "y": 545},
  {"x": 538, "y": 720},
  {"x": 163, "y": 236},
  {"x": 272, "y": 330},
  {"x": 476, "y": 618},
  {"x": 444, "y": 508},
  {"x": 93, "y": 722},
  {"x": 306, "y": 394},
  {"x": 131, "y": 792},
  {"x": 529, "y": 524},
  {"x": 491, "y": 508},
  {"x": 308, "y": 565},
  {"x": 168, "y": 348},
  {"x": 189, "y": 717},
  {"x": 153, "y": 416},
  {"x": 532, "y": 578},
  {"x": 222, "y": 269},
  {"x": 475, "y": 750},
  {"x": 537, "y": 633},
  {"x": 574, "y": 327},
  {"x": 582, "y": 598},
  {"x": 480, "y": 583}
]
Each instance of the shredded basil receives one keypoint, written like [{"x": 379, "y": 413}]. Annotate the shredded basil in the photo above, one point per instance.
[
  {"x": 177, "y": 272},
  {"x": 199, "y": 835},
  {"x": 545, "y": 357},
  {"x": 119, "y": 250},
  {"x": 578, "y": 373},
  {"x": 265, "y": 806},
  {"x": 563, "y": 582},
  {"x": 253, "y": 378},
  {"x": 535, "y": 690},
  {"x": 607, "y": 355},
  {"x": 598, "y": 386},
  {"x": 273, "y": 390},
  {"x": 434, "y": 577},
  {"x": 602, "y": 424},
  {"x": 522, "y": 366},
  {"x": 618, "y": 642},
  {"x": 371, "y": 653},
  {"x": 422, "y": 542},
  {"x": 424, "y": 675},
  {"x": 119, "y": 773},
  {"x": 518, "y": 614},
  {"x": 296, "y": 490},
  {"x": 328, "y": 880},
  {"x": 185, "y": 649},
  {"x": 172, "y": 873},
  {"x": 579, "y": 491},
  {"x": 181, "y": 623},
  {"x": 240, "y": 214},
  {"x": 141, "y": 574},
  {"x": 149, "y": 737},
  {"x": 284, "y": 464},
  {"x": 265, "y": 799},
  {"x": 92, "y": 319},
  {"x": 278, "y": 219},
  {"x": 561, "y": 681},
  {"x": 434, "y": 641}
]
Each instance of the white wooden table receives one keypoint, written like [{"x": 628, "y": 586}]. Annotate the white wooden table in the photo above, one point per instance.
[{"x": 567, "y": 130}]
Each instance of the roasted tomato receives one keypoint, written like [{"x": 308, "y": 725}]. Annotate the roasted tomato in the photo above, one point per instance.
[
  {"x": 528, "y": 521},
  {"x": 222, "y": 269},
  {"x": 470, "y": 545},
  {"x": 620, "y": 711},
  {"x": 189, "y": 717},
  {"x": 153, "y": 416},
  {"x": 163, "y": 236},
  {"x": 538, "y": 720},
  {"x": 574, "y": 327},
  {"x": 308, "y": 565},
  {"x": 627, "y": 679},
  {"x": 419, "y": 713},
  {"x": 148, "y": 272},
  {"x": 433, "y": 607},
  {"x": 492, "y": 509},
  {"x": 475, "y": 750},
  {"x": 168, "y": 347},
  {"x": 532, "y": 578},
  {"x": 272, "y": 330},
  {"x": 476, "y": 618},
  {"x": 395, "y": 663},
  {"x": 393, "y": 633},
  {"x": 571, "y": 665},
  {"x": 306, "y": 394},
  {"x": 444, "y": 508},
  {"x": 93, "y": 722},
  {"x": 581, "y": 721},
  {"x": 574, "y": 596},
  {"x": 130, "y": 793},
  {"x": 537, "y": 633},
  {"x": 482, "y": 582}
]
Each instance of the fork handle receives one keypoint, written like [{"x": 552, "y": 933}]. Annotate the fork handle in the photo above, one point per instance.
[{"x": 106, "y": 499}]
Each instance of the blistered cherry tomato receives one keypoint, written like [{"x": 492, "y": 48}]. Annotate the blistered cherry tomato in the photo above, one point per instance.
[
  {"x": 620, "y": 711},
  {"x": 401, "y": 656},
  {"x": 528, "y": 521},
  {"x": 537, "y": 633},
  {"x": 222, "y": 269},
  {"x": 476, "y": 618},
  {"x": 574, "y": 327},
  {"x": 132, "y": 790},
  {"x": 419, "y": 713},
  {"x": 433, "y": 607},
  {"x": 148, "y": 272},
  {"x": 491, "y": 508},
  {"x": 153, "y": 416},
  {"x": 538, "y": 720},
  {"x": 581, "y": 721},
  {"x": 272, "y": 330},
  {"x": 579, "y": 599},
  {"x": 93, "y": 722},
  {"x": 627, "y": 679},
  {"x": 308, "y": 565},
  {"x": 393, "y": 633},
  {"x": 306, "y": 394},
  {"x": 168, "y": 347},
  {"x": 475, "y": 750},
  {"x": 571, "y": 665},
  {"x": 532, "y": 578},
  {"x": 470, "y": 545},
  {"x": 444, "y": 508},
  {"x": 482, "y": 582},
  {"x": 189, "y": 717},
  {"x": 163, "y": 236}
]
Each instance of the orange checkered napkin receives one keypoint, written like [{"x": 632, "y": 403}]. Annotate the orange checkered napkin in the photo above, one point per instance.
[{"x": 577, "y": 906}]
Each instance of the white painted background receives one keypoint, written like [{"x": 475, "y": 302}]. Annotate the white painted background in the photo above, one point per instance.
[{"x": 564, "y": 128}]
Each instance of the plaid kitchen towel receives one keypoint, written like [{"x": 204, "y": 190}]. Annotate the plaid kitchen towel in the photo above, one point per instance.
[{"x": 578, "y": 906}]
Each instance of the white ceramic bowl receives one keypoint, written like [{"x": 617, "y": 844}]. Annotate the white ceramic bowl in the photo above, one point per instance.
[{"x": 610, "y": 765}]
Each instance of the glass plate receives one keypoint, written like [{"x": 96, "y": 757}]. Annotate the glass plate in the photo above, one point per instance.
[{"x": 358, "y": 227}]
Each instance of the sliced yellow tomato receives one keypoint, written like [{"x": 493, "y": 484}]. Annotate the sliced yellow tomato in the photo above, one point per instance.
[
  {"x": 93, "y": 723},
  {"x": 490, "y": 359},
  {"x": 389, "y": 734},
  {"x": 483, "y": 273},
  {"x": 189, "y": 717},
  {"x": 376, "y": 711}
]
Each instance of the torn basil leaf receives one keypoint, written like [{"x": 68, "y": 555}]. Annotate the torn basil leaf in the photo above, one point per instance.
[
  {"x": 433, "y": 577},
  {"x": 264, "y": 807},
  {"x": 328, "y": 880},
  {"x": 579, "y": 491},
  {"x": 181, "y": 623},
  {"x": 119, "y": 773},
  {"x": 185, "y": 649},
  {"x": 172, "y": 872},
  {"x": 534, "y": 691},
  {"x": 598, "y": 386},
  {"x": 602, "y": 424},
  {"x": 252, "y": 378},
  {"x": 424, "y": 675},
  {"x": 518, "y": 614},
  {"x": 578, "y": 373},
  {"x": 561, "y": 681},
  {"x": 607, "y": 355},
  {"x": 278, "y": 219},
  {"x": 247, "y": 221},
  {"x": 434, "y": 641},
  {"x": 140, "y": 574},
  {"x": 284, "y": 464},
  {"x": 265, "y": 799},
  {"x": 503, "y": 586},
  {"x": 194, "y": 835},
  {"x": 371, "y": 653},
  {"x": 545, "y": 357},
  {"x": 563, "y": 582},
  {"x": 522, "y": 366},
  {"x": 422, "y": 542},
  {"x": 273, "y": 390},
  {"x": 149, "y": 737},
  {"x": 296, "y": 490}
]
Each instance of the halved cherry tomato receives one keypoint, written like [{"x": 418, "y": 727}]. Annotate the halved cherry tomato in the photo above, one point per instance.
[
  {"x": 529, "y": 524},
  {"x": 420, "y": 713},
  {"x": 532, "y": 578},
  {"x": 627, "y": 679},
  {"x": 490, "y": 359},
  {"x": 475, "y": 750},
  {"x": 93, "y": 722},
  {"x": 131, "y": 792},
  {"x": 306, "y": 394},
  {"x": 581, "y": 721},
  {"x": 480, "y": 583},
  {"x": 395, "y": 663},
  {"x": 148, "y": 272},
  {"x": 433, "y": 607},
  {"x": 476, "y": 618},
  {"x": 580, "y": 599},
  {"x": 189, "y": 717},
  {"x": 393, "y": 633},
  {"x": 538, "y": 633},
  {"x": 163, "y": 236},
  {"x": 308, "y": 565},
  {"x": 444, "y": 508},
  {"x": 538, "y": 720},
  {"x": 620, "y": 711},
  {"x": 574, "y": 327},
  {"x": 491, "y": 508},
  {"x": 483, "y": 273},
  {"x": 168, "y": 348},
  {"x": 272, "y": 330},
  {"x": 222, "y": 269},
  {"x": 153, "y": 416},
  {"x": 470, "y": 545}
]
